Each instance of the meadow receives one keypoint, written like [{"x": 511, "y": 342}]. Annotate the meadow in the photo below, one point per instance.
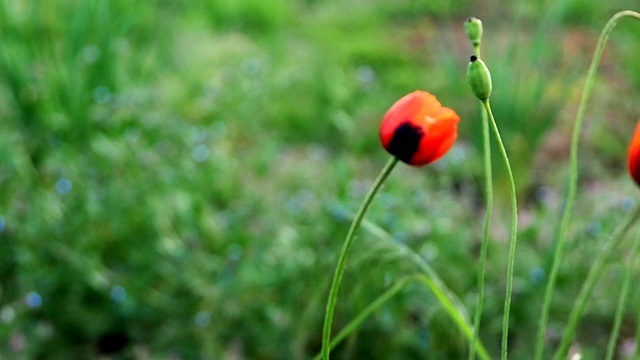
[{"x": 177, "y": 177}]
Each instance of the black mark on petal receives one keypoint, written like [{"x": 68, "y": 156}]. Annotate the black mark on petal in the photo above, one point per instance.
[{"x": 405, "y": 141}]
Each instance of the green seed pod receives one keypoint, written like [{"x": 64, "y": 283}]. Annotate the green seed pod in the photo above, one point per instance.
[
  {"x": 473, "y": 28},
  {"x": 479, "y": 78}
]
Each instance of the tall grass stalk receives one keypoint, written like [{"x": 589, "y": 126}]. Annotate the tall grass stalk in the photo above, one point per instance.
[
  {"x": 342, "y": 259},
  {"x": 573, "y": 178},
  {"x": 514, "y": 230},
  {"x": 594, "y": 274},
  {"x": 622, "y": 300},
  {"x": 450, "y": 302},
  {"x": 428, "y": 276},
  {"x": 440, "y": 294}
]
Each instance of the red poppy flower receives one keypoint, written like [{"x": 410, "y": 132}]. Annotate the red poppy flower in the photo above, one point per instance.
[
  {"x": 418, "y": 130},
  {"x": 634, "y": 153}
]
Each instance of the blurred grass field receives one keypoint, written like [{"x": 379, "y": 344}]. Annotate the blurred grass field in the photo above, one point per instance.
[{"x": 176, "y": 177}]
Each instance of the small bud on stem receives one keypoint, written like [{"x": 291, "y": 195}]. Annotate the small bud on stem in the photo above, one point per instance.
[
  {"x": 473, "y": 28},
  {"x": 479, "y": 78}
]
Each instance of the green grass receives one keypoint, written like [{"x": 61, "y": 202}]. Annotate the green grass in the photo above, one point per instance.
[{"x": 180, "y": 175}]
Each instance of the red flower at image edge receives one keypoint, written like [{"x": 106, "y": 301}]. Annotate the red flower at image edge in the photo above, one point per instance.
[
  {"x": 634, "y": 153},
  {"x": 418, "y": 130}
]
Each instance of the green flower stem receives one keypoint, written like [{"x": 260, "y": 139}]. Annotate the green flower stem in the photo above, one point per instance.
[
  {"x": 622, "y": 300},
  {"x": 592, "y": 277},
  {"x": 514, "y": 231},
  {"x": 573, "y": 178},
  {"x": 370, "y": 309},
  {"x": 342, "y": 259},
  {"x": 485, "y": 229},
  {"x": 476, "y": 51}
]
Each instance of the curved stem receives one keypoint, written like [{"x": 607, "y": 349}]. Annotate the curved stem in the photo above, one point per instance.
[
  {"x": 451, "y": 310},
  {"x": 485, "y": 229},
  {"x": 514, "y": 231},
  {"x": 370, "y": 309},
  {"x": 447, "y": 298},
  {"x": 622, "y": 300},
  {"x": 594, "y": 274},
  {"x": 390, "y": 293},
  {"x": 342, "y": 259},
  {"x": 573, "y": 178}
]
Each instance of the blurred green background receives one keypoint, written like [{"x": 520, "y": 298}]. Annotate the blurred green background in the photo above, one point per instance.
[{"x": 176, "y": 177}]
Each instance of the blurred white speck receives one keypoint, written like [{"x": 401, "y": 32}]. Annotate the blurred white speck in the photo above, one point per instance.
[
  {"x": 197, "y": 134},
  {"x": 44, "y": 330},
  {"x": 212, "y": 90},
  {"x": 63, "y": 186},
  {"x": 202, "y": 318},
  {"x": 91, "y": 54},
  {"x": 575, "y": 353},
  {"x": 33, "y": 300},
  {"x": 121, "y": 45},
  {"x": 357, "y": 188},
  {"x": 118, "y": 294},
  {"x": 301, "y": 200},
  {"x": 422, "y": 199},
  {"x": 200, "y": 153},
  {"x": 429, "y": 252},
  {"x": 316, "y": 152},
  {"x": 628, "y": 347},
  {"x": 101, "y": 95},
  {"x": 387, "y": 200},
  {"x": 627, "y": 203},
  {"x": 18, "y": 342},
  {"x": 251, "y": 66},
  {"x": 543, "y": 194},
  {"x": 440, "y": 165},
  {"x": 458, "y": 154},
  {"x": 132, "y": 135},
  {"x": 536, "y": 275},
  {"x": 365, "y": 74},
  {"x": 7, "y": 314},
  {"x": 594, "y": 228},
  {"x": 388, "y": 278},
  {"x": 234, "y": 252}
]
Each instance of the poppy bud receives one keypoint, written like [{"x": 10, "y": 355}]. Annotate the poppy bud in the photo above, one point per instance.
[
  {"x": 473, "y": 28},
  {"x": 479, "y": 78},
  {"x": 634, "y": 154},
  {"x": 418, "y": 130}
]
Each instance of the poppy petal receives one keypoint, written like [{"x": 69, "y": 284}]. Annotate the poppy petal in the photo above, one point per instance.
[{"x": 417, "y": 129}]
